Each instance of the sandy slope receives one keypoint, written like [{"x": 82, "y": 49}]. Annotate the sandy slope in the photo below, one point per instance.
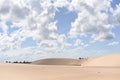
[
  {"x": 109, "y": 60},
  {"x": 59, "y": 61},
  {"x": 50, "y": 72}
]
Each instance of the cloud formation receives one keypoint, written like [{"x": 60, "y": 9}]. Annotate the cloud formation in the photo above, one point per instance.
[
  {"x": 35, "y": 19},
  {"x": 93, "y": 19},
  {"x": 116, "y": 16},
  {"x": 113, "y": 43}
]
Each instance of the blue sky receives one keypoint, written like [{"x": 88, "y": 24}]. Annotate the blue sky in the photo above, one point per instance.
[
  {"x": 60, "y": 29},
  {"x": 114, "y": 2},
  {"x": 64, "y": 19}
]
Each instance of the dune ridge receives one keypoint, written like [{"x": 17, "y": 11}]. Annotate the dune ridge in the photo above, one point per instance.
[
  {"x": 108, "y": 60},
  {"x": 59, "y": 61},
  {"x": 112, "y": 60}
]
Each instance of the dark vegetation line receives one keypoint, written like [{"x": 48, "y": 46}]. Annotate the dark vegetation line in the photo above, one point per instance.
[
  {"x": 24, "y": 62},
  {"x": 27, "y": 62}
]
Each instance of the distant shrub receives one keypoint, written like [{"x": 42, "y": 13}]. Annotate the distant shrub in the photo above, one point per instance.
[
  {"x": 80, "y": 58},
  {"x": 24, "y": 62}
]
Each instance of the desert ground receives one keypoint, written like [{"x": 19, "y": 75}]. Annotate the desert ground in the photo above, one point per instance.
[{"x": 98, "y": 68}]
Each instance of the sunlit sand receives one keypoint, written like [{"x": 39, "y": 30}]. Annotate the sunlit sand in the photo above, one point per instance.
[{"x": 100, "y": 68}]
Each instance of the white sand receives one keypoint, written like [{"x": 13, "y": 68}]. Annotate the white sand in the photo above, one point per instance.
[
  {"x": 63, "y": 72},
  {"x": 45, "y": 72},
  {"x": 109, "y": 60}
]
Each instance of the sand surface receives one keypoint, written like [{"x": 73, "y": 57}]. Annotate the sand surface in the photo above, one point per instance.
[
  {"x": 112, "y": 60},
  {"x": 92, "y": 69},
  {"x": 50, "y": 72}
]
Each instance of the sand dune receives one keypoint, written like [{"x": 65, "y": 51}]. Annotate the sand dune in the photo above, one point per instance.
[
  {"x": 53, "y": 71},
  {"x": 59, "y": 61},
  {"x": 109, "y": 60}
]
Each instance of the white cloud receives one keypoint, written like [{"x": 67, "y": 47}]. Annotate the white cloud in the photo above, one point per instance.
[
  {"x": 61, "y": 3},
  {"x": 62, "y": 41},
  {"x": 78, "y": 42},
  {"x": 62, "y": 38},
  {"x": 5, "y": 7},
  {"x": 33, "y": 18},
  {"x": 113, "y": 43},
  {"x": 116, "y": 16},
  {"x": 103, "y": 36},
  {"x": 93, "y": 19},
  {"x": 48, "y": 44},
  {"x": 4, "y": 27}
]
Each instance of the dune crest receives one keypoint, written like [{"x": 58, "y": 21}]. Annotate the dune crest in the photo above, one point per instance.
[
  {"x": 59, "y": 61},
  {"x": 109, "y": 60}
]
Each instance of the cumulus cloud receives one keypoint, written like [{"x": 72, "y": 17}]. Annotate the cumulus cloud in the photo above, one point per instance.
[
  {"x": 32, "y": 18},
  {"x": 61, "y": 3},
  {"x": 116, "y": 16},
  {"x": 4, "y": 27},
  {"x": 62, "y": 41},
  {"x": 48, "y": 44},
  {"x": 35, "y": 19},
  {"x": 78, "y": 42},
  {"x": 103, "y": 36},
  {"x": 113, "y": 43},
  {"x": 93, "y": 19}
]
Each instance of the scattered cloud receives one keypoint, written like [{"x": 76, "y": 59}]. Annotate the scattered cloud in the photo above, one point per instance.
[
  {"x": 116, "y": 16},
  {"x": 93, "y": 19},
  {"x": 113, "y": 43},
  {"x": 36, "y": 19},
  {"x": 78, "y": 42},
  {"x": 33, "y": 18}
]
